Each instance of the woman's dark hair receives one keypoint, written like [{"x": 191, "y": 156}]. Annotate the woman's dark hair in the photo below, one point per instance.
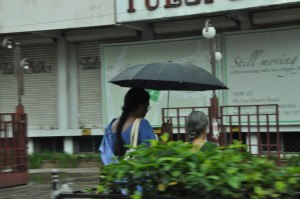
[{"x": 133, "y": 99}]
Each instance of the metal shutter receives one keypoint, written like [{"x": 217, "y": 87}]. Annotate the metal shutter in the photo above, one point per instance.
[
  {"x": 89, "y": 85},
  {"x": 8, "y": 82},
  {"x": 40, "y": 85}
]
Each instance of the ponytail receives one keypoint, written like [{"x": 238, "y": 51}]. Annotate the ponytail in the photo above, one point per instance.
[{"x": 119, "y": 149}]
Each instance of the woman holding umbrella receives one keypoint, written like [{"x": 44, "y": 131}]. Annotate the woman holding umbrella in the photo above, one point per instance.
[{"x": 118, "y": 132}]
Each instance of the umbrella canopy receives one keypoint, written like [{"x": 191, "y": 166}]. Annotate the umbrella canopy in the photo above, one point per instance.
[{"x": 168, "y": 76}]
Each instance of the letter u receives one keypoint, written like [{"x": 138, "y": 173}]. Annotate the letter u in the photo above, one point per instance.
[{"x": 149, "y": 7}]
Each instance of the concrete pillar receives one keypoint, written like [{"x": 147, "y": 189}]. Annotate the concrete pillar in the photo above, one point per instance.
[
  {"x": 68, "y": 145},
  {"x": 62, "y": 91},
  {"x": 30, "y": 147},
  {"x": 253, "y": 141},
  {"x": 73, "y": 87}
]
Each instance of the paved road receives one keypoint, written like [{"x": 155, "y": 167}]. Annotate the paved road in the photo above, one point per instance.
[{"x": 39, "y": 186}]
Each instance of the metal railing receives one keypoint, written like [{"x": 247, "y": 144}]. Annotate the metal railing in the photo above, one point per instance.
[
  {"x": 257, "y": 126},
  {"x": 177, "y": 117}
]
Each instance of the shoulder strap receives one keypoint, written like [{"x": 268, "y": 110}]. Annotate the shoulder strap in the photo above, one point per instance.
[{"x": 135, "y": 132}]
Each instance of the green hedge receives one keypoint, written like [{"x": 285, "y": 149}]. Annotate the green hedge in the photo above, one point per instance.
[
  {"x": 64, "y": 160},
  {"x": 173, "y": 169},
  {"x": 294, "y": 160}
]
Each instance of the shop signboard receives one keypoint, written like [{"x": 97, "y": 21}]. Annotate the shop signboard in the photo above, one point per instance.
[{"x": 138, "y": 10}]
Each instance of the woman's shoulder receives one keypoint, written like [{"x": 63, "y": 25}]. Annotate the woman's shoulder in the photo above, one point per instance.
[
  {"x": 110, "y": 125},
  {"x": 144, "y": 123},
  {"x": 146, "y": 131}
]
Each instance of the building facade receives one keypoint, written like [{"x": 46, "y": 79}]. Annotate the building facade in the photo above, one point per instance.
[{"x": 73, "y": 52}]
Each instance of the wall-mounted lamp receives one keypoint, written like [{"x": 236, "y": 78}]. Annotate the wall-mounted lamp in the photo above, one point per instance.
[
  {"x": 9, "y": 43},
  {"x": 218, "y": 56},
  {"x": 25, "y": 64},
  {"x": 208, "y": 31}
]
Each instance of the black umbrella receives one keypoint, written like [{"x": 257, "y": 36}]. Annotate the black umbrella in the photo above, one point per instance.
[{"x": 168, "y": 76}]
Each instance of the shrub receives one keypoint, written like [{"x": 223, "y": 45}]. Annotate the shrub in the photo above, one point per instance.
[
  {"x": 174, "y": 169},
  {"x": 294, "y": 160},
  {"x": 64, "y": 160}
]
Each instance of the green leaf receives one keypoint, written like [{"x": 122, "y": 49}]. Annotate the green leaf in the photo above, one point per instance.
[
  {"x": 87, "y": 190},
  {"x": 275, "y": 195},
  {"x": 292, "y": 180},
  {"x": 100, "y": 189},
  {"x": 192, "y": 165},
  {"x": 172, "y": 183},
  {"x": 176, "y": 173},
  {"x": 280, "y": 186},
  {"x": 213, "y": 177},
  {"x": 294, "y": 170},
  {"x": 164, "y": 137},
  {"x": 255, "y": 176},
  {"x": 231, "y": 170},
  {"x": 259, "y": 190},
  {"x": 161, "y": 187},
  {"x": 196, "y": 174},
  {"x": 120, "y": 175},
  {"x": 153, "y": 143},
  {"x": 208, "y": 163},
  {"x": 234, "y": 182},
  {"x": 136, "y": 195}
]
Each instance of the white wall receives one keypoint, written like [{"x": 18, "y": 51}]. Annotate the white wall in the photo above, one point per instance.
[{"x": 36, "y": 15}]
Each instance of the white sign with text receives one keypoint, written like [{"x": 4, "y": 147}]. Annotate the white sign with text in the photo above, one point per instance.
[
  {"x": 118, "y": 57},
  {"x": 264, "y": 68}
]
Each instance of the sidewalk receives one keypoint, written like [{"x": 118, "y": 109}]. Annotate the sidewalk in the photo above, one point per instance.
[
  {"x": 40, "y": 185},
  {"x": 66, "y": 170}
]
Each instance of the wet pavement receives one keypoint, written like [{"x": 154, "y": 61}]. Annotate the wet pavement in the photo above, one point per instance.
[{"x": 40, "y": 185}]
